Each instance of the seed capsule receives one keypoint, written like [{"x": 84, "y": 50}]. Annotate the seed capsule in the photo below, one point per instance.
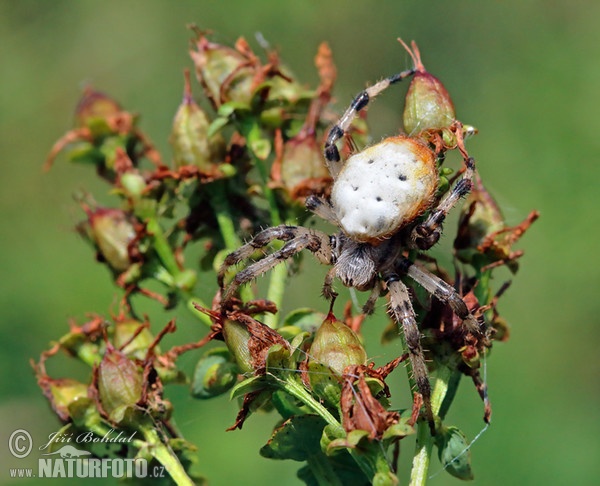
[
  {"x": 337, "y": 346},
  {"x": 427, "y": 103},
  {"x": 111, "y": 231},
  {"x": 189, "y": 136}
]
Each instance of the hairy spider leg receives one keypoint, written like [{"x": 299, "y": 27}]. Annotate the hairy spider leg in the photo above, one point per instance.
[
  {"x": 332, "y": 154},
  {"x": 297, "y": 239},
  {"x": 402, "y": 312},
  {"x": 443, "y": 292},
  {"x": 427, "y": 234}
]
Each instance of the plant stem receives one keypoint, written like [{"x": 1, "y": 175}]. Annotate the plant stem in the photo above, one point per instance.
[
  {"x": 279, "y": 274},
  {"x": 163, "y": 454},
  {"x": 162, "y": 247},
  {"x": 444, "y": 387},
  {"x": 219, "y": 202},
  {"x": 298, "y": 391}
]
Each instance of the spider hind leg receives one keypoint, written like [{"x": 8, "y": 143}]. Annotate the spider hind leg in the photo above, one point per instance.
[{"x": 402, "y": 312}]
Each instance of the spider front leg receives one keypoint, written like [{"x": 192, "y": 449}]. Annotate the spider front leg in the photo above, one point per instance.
[
  {"x": 427, "y": 234},
  {"x": 332, "y": 154},
  {"x": 446, "y": 294},
  {"x": 402, "y": 312},
  {"x": 296, "y": 238}
]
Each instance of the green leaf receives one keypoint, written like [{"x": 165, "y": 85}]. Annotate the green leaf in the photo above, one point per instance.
[
  {"x": 249, "y": 385},
  {"x": 353, "y": 438},
  {"x": 305, "y": 318},
  {"x": 325, "y": 383},
  {"x": 297, "y": 439},
  {"x": 217, "y": 125},
  {"x": 399, "y": 430}
]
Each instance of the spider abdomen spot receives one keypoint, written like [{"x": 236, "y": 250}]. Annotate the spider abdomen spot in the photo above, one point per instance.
[{"x": 384, "y": 187}]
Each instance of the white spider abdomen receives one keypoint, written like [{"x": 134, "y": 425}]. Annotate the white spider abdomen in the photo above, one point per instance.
[{"x": 384, "y": 187}]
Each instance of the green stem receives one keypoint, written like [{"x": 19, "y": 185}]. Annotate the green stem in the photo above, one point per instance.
[
  {"x": 278, "y": 275},
  {"x": 165, "y": 455},
  {"x": 298, "y": 391},
  {"x": 445, "y": 385},
  {"x": 223, "y": 213},
  {"x": 275, "y": 292},
  {"x": 162, "y": 247}
]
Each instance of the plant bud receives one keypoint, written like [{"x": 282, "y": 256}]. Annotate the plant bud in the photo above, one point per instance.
[
  {"x": 249, "y": 341},
  {"x": 133, "y": 184},
  {"x": 427, "y": 104},
  {"x": 189, "y": 135},
  {"x": 302, "y": 169},
  {"x": 94, "y": 105},
  {"x": 63, "y": 394},
  {"x": 226, "y": 74},
  {"x": 138, "y": 347},
  {"x": 480, "y": 217},
  {"x": 120, "y": 384},
  {"x": 214, "y": 374},
  {"x": 111, "y": 231},
  {"x": 337, "y": 346},
  {"x": 454, "y": 453}
]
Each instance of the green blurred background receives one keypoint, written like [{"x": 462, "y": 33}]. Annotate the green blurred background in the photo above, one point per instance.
[{"x": 527, "y": 74}]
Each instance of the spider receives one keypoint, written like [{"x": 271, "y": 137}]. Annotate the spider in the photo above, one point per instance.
[{"x": 383, "y": 201}]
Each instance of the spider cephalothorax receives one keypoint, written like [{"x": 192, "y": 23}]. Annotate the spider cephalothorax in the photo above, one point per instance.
[{"x": 385, "y": 202}]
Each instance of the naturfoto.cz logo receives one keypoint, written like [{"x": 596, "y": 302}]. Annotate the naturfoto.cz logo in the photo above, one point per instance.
[{"x": 71, "y": 462}]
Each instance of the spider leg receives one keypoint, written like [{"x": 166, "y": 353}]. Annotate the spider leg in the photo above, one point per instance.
[
  {"x": 445, "y": 293},
  {"x": 481, "y": 387},
  {"x": 402, "y": 312},
  {"x": 332, "y": 154},
  {"x": 369, "y": 306},
  {"x": 322, "y": 208},
  {"x": 297, "y": 239},
  {"x": 426, "y": 234},
  {"x": 328, "y": 291}
]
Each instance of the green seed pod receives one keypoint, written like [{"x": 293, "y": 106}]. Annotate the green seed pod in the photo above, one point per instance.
[
  {"x": 214, "y": 374},
  {"x": 138, "y": 347},
  {"x": 226, "y": 74},
  {"x": 120, "y": 384},
  {"x": 249, "y": 342},
  {"x": 427, "y": 104},
  {"x": 64, "y": 394},
  {"x": 111, "y": 231},
  {"x": 302, "y": 166},
  {"x": 133, "y": 184},
  {"x": 189, "y": 135},
  {"x": 454, "y": 452},
  {"x": 237, "y": 338},
  {"x": 337, "y": 346},
  {"x": 94, "y": 105}
]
